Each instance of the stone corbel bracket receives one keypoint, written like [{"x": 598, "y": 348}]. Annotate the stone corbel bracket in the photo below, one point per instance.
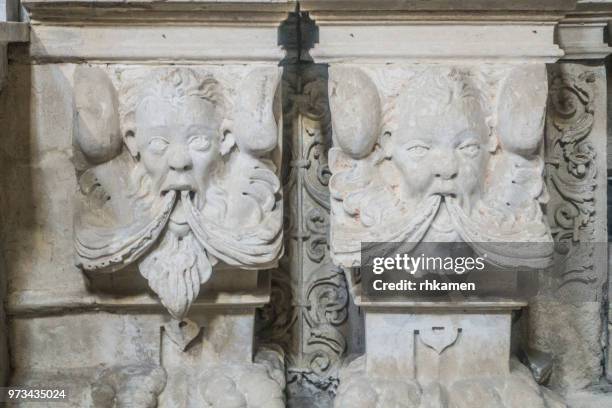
[
  {"x": 383, "y": 157},
  {"x": 212, "y": 191},
  {"x": 10, "y": 32}
]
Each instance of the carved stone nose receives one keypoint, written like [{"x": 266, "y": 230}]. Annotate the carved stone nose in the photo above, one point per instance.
[
  {"x": 184, "y": 167},
  {"x": 180, "y": 160},
  {"x": 448, "y": 175}
]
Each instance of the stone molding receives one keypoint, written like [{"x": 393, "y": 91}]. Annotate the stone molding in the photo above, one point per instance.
[
  {"x": 435, "y": 42},
  {"x": 213, "y": 11},
  {"x": 11, "y": 31},
  {"x": 393, "y": 6},
  {"x": 383, "y": 32},
  {"x": 32, "y": 303},
  {"x": 582, "y": 33},
  {"x": 160, "y": 32},
  {"x": 584, "y": 39}
]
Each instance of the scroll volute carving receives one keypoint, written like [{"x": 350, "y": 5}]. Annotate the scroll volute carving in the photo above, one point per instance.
[
  {"x": 439, "y": 154},
  {"x": 176, "y": 176}
]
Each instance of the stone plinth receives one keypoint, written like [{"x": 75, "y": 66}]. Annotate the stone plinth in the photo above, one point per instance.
[
  {"x": 135, "y": 352},
  {"x": 439, "y": 354},
  {"x": 409, "y": 343}
]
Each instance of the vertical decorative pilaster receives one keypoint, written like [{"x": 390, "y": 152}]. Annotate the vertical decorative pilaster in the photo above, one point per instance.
[
  {"x": 310, "y": 314},
  {"x": 571, "y": 324}
]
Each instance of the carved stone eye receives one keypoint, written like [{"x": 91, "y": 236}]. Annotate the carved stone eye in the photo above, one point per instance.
[
  {"x": 417, "y": 150},
  {"x": 470, "y": 149},
  {"x": 200, "y": 143},
  {"x": 158, "y": 145}
]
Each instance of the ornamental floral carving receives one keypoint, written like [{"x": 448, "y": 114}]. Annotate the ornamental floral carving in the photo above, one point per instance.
[
  {"x": 439, "y": 154},
  {"x": 572, "y": 173},
  {"x": 309, "y": 311},
  {"x": 175, "y": 175}
]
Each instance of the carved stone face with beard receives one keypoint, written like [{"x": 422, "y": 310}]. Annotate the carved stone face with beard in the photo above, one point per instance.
[
  {"x": 417, "y": 159},
  {"x": 441, "y": 147},
  {"x": 179, "y": 142},
  {"x": 185, "y": 180}
]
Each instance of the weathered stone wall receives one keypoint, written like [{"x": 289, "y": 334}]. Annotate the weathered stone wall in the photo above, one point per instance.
[{"x": 112, "y": 327}]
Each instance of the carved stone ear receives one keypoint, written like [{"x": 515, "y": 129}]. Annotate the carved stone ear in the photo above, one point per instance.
[
  {"x": 97, "y": 133},
  {"x": 227, "y": 138},
  {"x": 129, "y": 138},
  {"x": 385, "y": 144}
]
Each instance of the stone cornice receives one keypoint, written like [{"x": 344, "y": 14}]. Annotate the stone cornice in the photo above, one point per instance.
[
  {"x": 485, "y": 40},
  {"x": 350, "y": 30},
  {"x": 393, "y": 6},
  {"x": 249, "y": 12},
  {"x": 582, "y": 33},
  {"x": 584, "y": 39},
  {"x": 436, "y": 31},
  {"x": 146, "y": 31}
]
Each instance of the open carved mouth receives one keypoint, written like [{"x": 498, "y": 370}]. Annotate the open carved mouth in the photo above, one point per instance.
[
  {"x": 178, "y": 187},
  {"x": 444, "y": 194},
  {"x": 179, "y": 190}
]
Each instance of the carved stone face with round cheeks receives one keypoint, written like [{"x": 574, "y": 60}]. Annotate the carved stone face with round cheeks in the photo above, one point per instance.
[
  {"x": 443, "y": 154},
  {"x": 179, "y": 142}
]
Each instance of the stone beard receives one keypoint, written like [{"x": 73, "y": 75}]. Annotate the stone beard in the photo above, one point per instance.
[{"x": 194, "y": 198}]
